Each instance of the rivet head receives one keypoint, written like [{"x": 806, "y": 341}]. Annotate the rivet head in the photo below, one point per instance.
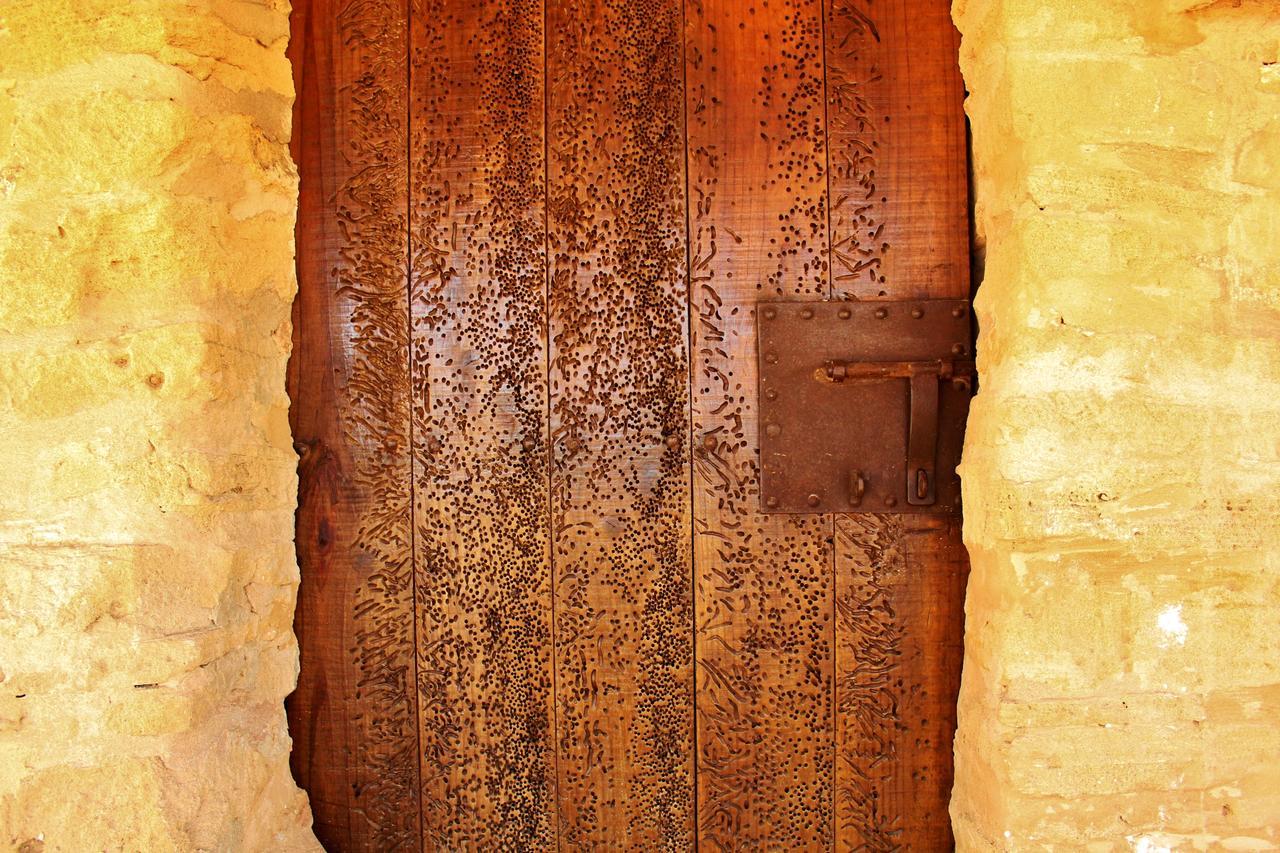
[
  {"x": 770, "y": 313},
  {"x": 773, "y": 430},
  {"x": 673, "y": 442},
  {"x": 958, "y": 349},
  {"x": 771, "y": 502},
  {"x": 813, "y": 500},
  {"x": 881, "y": 313},
  {"x": 807, "y": 313},
  {"x": 771, "y": 394},
  {"x": 528, "y": 443},
  {"x": 709, "y": 441},
  {"x": 960, "y": 383},
  {"x": 957, "y": 312},
  {"x": 917, "y": 313},
  {"x": 890, "y": 500},
  {"x": 771, "y": 358},
  {"x": 844, "y": 314}
]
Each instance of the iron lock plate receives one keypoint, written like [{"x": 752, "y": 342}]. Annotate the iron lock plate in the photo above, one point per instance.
[{"x": 863, "y": 405}]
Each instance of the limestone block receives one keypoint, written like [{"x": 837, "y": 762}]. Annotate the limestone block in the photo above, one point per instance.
[
  {"x": 1122, "y": 460},
  {"x": 147, "y": 483}
]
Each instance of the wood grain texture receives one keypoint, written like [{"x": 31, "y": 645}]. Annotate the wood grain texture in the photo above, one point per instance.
[
  {"x": 531, "y": 241},
  {"x": 353, "y": 716},
  {"x": 899, "y": 179},
  {"x": 764, "y": 589},
  {"x": 619, "y": 377},
  {"x": 899, "y": 629},
  {"x": 482, "y": 536},
  {"x": 899, "y": 223}
]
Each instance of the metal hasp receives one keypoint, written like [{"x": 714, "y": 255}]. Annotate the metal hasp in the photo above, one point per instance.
[{"x": 863, "y": 405}]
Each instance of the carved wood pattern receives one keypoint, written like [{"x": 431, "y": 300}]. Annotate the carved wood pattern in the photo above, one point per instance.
[
  {"x": 620, "y": 424},
  {"x": 898, "y": 653},
  {"x": 480, "y": 411},
  {"x": 353, "y": 714},
  {"x": 899, "y": 185},
  {"x": 868, "y": 679},
  {"x": 533, "y": 565},
  {"x": 764, "y": 582}
]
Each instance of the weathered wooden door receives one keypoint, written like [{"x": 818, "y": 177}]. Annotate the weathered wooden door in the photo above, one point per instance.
[{"x": 540, "y": 606}]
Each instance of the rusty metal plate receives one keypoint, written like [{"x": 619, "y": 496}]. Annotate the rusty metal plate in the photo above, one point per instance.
[{"x": 863, "y": 405}]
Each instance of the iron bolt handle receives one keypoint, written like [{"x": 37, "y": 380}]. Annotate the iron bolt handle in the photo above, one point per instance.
[
  {"x": 857, "y": 487},
  {"x": 840, "y": 371}
]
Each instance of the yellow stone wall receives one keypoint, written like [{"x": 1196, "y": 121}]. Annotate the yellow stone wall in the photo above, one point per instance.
[
  {"x": 147, "y": 574},
  {"x": 1122, "y": 493}
]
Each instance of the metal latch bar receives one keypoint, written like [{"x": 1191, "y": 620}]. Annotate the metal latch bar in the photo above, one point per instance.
[{"x": 840, "y": 371}]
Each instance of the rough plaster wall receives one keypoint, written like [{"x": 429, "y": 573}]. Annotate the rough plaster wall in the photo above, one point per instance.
[
  {"x": 1122, "y": 656},
  {"x": 147, "y": 487}
]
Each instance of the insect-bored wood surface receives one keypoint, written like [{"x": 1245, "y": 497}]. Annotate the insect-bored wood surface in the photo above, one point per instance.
[{"x": 540, "y": 607}]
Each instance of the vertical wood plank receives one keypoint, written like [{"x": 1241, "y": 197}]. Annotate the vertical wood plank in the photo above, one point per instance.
[
  {"x": 899, "y": 180},
  {"x": 764, "y": 585},
  {"x": 620, "y": 424},
  {"x": 353, "y": 715},
  {"x": 480, "y": 424},
  {"x": 900, "y": 623},
  {"x": 899, "y": 222}
]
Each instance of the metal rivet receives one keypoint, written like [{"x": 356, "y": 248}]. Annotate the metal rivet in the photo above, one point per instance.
[
  {"x": 770, "y": 313},
  {"x": 958, "y": 349},
  {"x": 844, "y": 314},
  {"x": 771, "y": 502},
  {"x": 771, "y": 358},
  {"x": 814, "y": 500},
  {"x": 890, "y": 500},
  {"x": 957, "y": 312},
  {"x": 960, "y": 383},
  {"x": 673, "y": 442},
  {"x": 771, "y": 394},
  {"x": 773, "y": 430},
  {"x": 709, "y": 441},
  {"x": 917, "y": 313},
  {"x": 528, "y": 443},
  {"x": 807, "y": 313},
  {"x": 881, "y": 313}
]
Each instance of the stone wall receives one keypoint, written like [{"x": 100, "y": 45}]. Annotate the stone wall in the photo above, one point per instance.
[
  {"x": 1122, "y": 655},
  {"x": 147, "y": 486}
]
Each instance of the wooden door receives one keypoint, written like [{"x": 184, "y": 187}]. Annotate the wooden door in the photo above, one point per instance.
[{"x": 540, "y": 608}]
